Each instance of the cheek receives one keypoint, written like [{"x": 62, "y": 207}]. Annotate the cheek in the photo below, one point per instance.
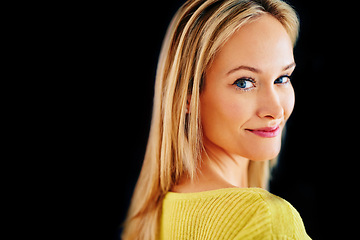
[
  {"x": 234, "y": 109},
  {"x": 221, "y": 109},
  {"x": 223, "y": 115}
]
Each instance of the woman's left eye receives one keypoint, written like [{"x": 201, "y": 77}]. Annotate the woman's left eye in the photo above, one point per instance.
[{"x": 282, "y": 80}]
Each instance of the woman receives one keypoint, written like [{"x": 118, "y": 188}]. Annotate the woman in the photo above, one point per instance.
[{"x": 222, "y": 98}]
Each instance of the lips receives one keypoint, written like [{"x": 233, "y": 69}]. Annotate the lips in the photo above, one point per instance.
[{"x": 266, "y": 132}]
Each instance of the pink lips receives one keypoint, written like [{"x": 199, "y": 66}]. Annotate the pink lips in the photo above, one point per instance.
[{"x": 267, "y": 132}]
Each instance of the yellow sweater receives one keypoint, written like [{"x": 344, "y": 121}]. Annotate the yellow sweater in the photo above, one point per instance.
[{"x": 230, "y": 213}]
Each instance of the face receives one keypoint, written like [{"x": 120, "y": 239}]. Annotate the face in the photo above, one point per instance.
[{"x": 247, "y": 96}]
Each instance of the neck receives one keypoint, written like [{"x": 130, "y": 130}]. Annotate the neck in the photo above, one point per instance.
[
  {"x": 217, "y": 170},
  {"x": 228, "y": 168}
]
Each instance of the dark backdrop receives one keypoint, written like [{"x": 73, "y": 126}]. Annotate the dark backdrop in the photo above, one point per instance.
[{"x": 312, "y": 171}]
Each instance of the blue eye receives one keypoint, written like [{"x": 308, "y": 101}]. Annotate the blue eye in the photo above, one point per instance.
[
  {"x": 244, "y": 83},
  {"x": 282, "y": 80}
]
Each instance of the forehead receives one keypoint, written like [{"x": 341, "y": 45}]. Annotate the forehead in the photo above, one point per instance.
[{"x": 262, "y": 43}]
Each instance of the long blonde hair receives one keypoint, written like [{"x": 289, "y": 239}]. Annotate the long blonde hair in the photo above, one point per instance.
[{"x": 197, "y": 31}]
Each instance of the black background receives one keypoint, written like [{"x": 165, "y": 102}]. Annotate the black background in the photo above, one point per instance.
[{"x": 313, "y": 171}]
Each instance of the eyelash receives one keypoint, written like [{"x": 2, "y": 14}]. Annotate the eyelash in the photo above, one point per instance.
[
  {"x": 246, "y": 80},
  {"x": 249, "y": 79}
]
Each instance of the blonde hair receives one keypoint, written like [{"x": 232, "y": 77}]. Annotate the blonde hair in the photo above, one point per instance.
[{"x": 197, "y": 31}]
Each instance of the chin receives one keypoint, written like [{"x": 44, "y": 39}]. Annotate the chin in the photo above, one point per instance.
[{"x": 263, "y": 153}]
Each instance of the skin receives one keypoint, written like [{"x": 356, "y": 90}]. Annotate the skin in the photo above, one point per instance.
[{"x": 246, "y": 88}]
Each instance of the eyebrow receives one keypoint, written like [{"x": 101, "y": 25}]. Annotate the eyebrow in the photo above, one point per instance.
[{"x": 255, "y": 70}]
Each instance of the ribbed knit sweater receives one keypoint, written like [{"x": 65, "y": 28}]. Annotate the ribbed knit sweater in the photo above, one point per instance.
[{"x": 230, "y": 213}]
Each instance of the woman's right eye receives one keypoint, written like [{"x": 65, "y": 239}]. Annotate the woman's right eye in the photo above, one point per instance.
[{"x": 244, "y": 83}]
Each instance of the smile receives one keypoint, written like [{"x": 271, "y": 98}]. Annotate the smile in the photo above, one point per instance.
[{"x": 267, "y": 132}]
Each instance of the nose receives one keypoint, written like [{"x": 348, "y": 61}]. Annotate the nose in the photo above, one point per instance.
[{"x": 269, "y": 104}]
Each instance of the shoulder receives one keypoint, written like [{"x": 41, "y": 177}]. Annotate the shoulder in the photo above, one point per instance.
[
  {"x": 229, "y": 213},
  {"x": 225, "y": 196},
  {"x": 252, "y": 199},
  {"x": 235, "y": 212},
  {"x": 252, "y": 196},
  {"x": 285, "y": 221}
]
